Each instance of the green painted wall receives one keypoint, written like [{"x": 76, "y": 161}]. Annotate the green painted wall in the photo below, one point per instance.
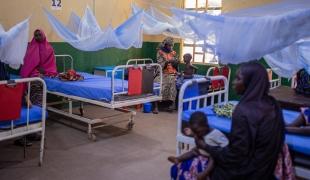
[{"x": 86, "y": 61}]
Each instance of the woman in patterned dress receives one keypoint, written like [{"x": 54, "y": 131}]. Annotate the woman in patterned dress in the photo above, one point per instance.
[{"x": 168, "y": 60}]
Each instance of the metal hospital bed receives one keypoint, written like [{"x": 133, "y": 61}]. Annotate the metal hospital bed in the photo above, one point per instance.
[
  {"x": 31, "y": 120},
  {"x": 298, "y": 144},
  {"x": 101, "y": 91},
  {"x": 274, "y": 82},
  {"x": 195, "y": 102}
]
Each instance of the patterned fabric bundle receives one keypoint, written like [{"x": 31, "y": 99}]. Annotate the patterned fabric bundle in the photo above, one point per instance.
[
  {"x": 70, "y": 75},
  {"x": 224, "y": 110}
]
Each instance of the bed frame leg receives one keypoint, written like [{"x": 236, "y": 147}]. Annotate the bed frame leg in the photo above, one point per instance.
[
  {"x": 70, "y": 106},
  {"x": 90, "y": 133},
  {"x": 131, "y": 120},
  {"x": 42, "y": 148},
  {"x": 81, "y": 109},
  {"x": 25, "y": 142}
]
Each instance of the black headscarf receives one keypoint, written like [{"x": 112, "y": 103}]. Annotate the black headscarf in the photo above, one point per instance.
[
  {"x": 257, "y": 132},
  {"x": 166, "y": 41},
  {"x": 256, "y": 82}
]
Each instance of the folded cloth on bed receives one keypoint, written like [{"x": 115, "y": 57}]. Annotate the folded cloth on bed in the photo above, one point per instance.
[
  {"x": 298, "y": 143},
  {"x": 224, "y": 110},
  {"x": 70, "y": 75},
  {"x": 35, "y": 115}
]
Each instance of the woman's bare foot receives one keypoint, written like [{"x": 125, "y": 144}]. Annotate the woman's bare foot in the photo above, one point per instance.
[
  {"x": 28, "y": 102},
  {"x": 171, "y": 108},
  {"x": 155, "y": 111},
  {"x": 201, "y": 176}
]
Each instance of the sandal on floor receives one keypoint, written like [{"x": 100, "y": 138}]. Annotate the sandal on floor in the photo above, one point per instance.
[
  {"x": 170, "y": 109},
  {"x": 34, "y": 137},
  {"x": 155, "y": 111}
]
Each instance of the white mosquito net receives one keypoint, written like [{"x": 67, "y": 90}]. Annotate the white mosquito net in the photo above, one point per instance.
[
  {"x": 13, "y": 44},
  {"x": 156, "y": 22},
  {"x": 85, "y": 34},
  {"x": 252, "y": 33}
]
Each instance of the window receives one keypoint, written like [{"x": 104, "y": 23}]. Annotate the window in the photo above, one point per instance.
[{"x": 213, "y": 7}]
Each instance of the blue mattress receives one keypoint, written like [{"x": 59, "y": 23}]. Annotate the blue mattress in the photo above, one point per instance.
[
  {"x": 92, "y": 87},
  {"x": 35, "y": 115},
  {"x": 296, "y": 143}
]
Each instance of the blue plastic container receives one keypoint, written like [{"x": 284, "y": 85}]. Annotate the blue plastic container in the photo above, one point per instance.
[{"x": 147, "y": 107}]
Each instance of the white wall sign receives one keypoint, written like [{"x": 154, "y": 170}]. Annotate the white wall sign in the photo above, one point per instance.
[{"x": 56, "y": 4}]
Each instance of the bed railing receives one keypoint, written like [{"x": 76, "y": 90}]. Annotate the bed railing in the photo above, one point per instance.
[
  {"x": 274, "y": 83},
  {"x": 201, "y": 101},
  {"x": 123, "y": 67},
  {"x": 64, "y": 58},
  {"x": 137, "y": 61},
  {"x": 211, "y": 69},
  {"x": 28, "y": 128}
]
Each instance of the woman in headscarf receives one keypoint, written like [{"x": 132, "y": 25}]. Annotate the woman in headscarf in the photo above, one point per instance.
[
  {"x": 257, "y": 132},
  {"x": 168, "y": 60},
  {"x": 39, "y": 61}
]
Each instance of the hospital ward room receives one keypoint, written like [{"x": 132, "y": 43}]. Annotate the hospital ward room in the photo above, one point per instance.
[{"x": 155, "y": 90}]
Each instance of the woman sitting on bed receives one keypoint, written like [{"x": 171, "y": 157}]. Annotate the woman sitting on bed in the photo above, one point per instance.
[
  {"x": 39, "y": 61},
  {"x": 302, "y": 124}
]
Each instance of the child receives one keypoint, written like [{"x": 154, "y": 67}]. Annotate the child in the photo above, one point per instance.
[
  {"x": 199, "y": 128},
  {"x": 302, "y": 124},
  {"x": 189, "y": 68}
]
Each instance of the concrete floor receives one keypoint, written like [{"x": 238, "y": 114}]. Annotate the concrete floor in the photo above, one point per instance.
[{"x": 117, "y": 153}]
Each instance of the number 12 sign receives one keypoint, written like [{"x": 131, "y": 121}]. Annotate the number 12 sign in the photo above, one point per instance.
[{"x": 56, "y": 5}]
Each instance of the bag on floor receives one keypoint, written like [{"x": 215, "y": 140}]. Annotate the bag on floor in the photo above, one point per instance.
[
  {"x": 10, "y": 101},
  {"x": 134, "y": 81}
]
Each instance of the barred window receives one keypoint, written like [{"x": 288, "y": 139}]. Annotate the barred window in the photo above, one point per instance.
[{"x": 213, "y": 7}]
